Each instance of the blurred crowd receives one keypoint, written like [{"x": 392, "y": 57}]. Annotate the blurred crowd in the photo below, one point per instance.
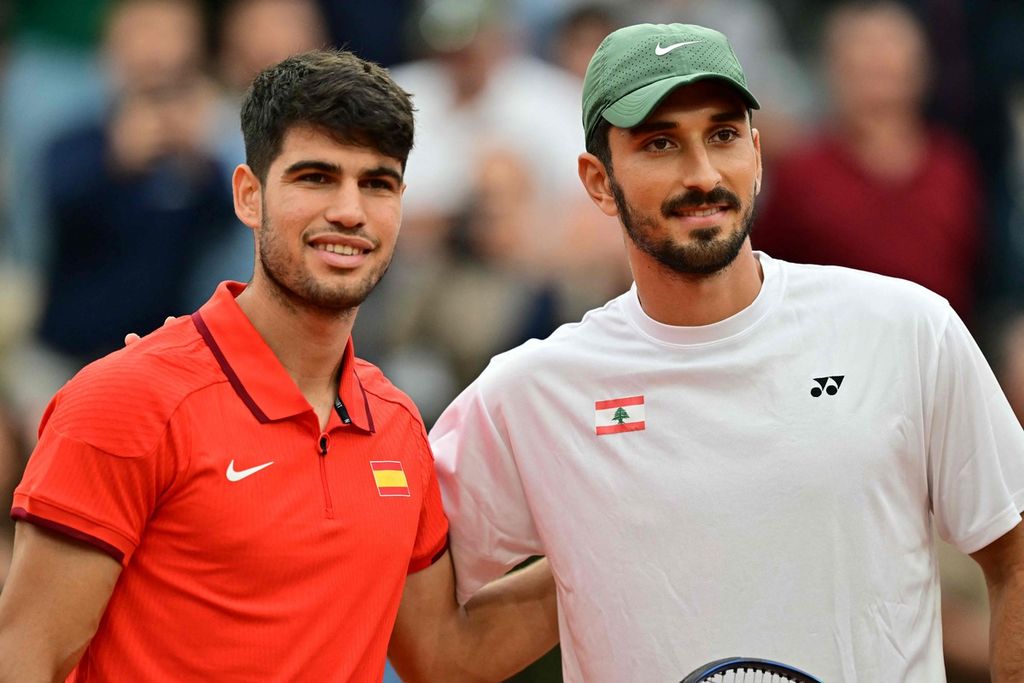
[{"x": 892, "y": 134}]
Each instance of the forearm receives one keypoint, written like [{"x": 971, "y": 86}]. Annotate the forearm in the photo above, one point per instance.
[
  {"x": 509, "y": 624},
  {"x": 51, "y": 605},
  {"x": 506, "y": 626},
  {"x": 18, "y": 665},
  {"x": 28, "y": 662},
  {"x": 1006, "y": 641}
]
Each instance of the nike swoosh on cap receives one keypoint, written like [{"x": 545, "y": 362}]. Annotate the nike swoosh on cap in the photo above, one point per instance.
[
  {"x": 660, "y": 51},
  {"x": 238, "y": 475}
]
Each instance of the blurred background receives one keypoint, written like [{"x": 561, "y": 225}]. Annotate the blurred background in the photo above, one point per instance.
[{"x": 892, "y": 133}]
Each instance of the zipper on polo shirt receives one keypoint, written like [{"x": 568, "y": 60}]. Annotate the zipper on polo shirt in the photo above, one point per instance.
[{"x": 325, "y": 445}]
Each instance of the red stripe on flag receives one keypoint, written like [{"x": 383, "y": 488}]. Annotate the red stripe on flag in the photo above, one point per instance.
[
  {"x": 616, "y": 402},
  {"x": 382, "y": 465},
  {"x": 625, "y": 427},
  {"x": 393, "y": 490}
]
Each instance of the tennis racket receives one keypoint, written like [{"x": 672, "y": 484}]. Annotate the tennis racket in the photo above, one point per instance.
[{"x": 746, "y": 670}]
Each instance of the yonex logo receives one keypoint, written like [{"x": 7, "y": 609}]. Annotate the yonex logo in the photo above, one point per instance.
[
  {"x": 661, "y": 51},
  {"x": 828, "y": 385}
]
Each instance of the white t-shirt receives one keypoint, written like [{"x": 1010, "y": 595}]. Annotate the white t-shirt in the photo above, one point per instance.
[{"x": 767, "y": 490}]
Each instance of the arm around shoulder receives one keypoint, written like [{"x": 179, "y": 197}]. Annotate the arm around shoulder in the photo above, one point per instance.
[
  {"x": 51, "y": 604},
  {"x": 506, "y": 626}
]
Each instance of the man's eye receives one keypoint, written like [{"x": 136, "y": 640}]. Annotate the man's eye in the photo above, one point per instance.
[
  {"x": 725, "y": 135},
  {"x": 660, "y": 144},
  {"x": 314, "y": 178},
  {"x": 380, "y": 184}
]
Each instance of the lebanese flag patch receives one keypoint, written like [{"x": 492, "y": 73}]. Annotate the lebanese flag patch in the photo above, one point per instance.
[{"x": 619, "y": 415}]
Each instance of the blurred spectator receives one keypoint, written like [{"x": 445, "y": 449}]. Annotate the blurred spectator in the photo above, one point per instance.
[
  {"x": 284, "y": 28},
  {"x": 879, "y": 189},
  {"x": 1006, "y": 306},
  {"x": 578, "y": 32},
  {"x": 51, "y": 79},
  {"x": 254, "y": 34},
  {"x": 136, "y": 196},
  {"x": 149, "y": 43},
  {"x": 475, "y": 93},
  {"x": 373, "y": 30},
  {"x": 132, "y": 197},
  {"x": 998, "y": 107}
]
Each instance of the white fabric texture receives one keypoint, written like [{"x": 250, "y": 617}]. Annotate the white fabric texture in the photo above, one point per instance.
[{"x": 749, "y": 516}]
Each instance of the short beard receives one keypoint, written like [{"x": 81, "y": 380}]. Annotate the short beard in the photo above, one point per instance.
[
  {"x": 709, "y": 255},
  {"x": 299, "y": 289}
]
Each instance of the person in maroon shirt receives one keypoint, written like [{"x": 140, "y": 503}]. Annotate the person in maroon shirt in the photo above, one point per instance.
[{"x": 879, "y": 189}]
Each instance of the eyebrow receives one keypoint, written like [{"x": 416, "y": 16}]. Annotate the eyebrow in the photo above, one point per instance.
[
  {"x": 384, "y": 171},
  {"x": 311, "y": 165},
  {"x": 335, "y": 169},
  {"x": 727, "y": 116}
]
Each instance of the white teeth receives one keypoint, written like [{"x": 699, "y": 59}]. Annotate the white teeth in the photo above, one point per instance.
[
  {"x": 342, "y": 249},
  {"x": 699, "y": 214}
]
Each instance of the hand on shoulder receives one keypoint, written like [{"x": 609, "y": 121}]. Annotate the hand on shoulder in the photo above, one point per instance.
[{"x": 133, "y": 337}]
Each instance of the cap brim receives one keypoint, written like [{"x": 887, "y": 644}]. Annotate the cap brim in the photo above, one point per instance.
[{"x": 633, "y": 108}]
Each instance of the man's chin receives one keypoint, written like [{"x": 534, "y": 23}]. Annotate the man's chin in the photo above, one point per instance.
[
  {"x": 337, "y": 300},
  {"x": 340, "y": 290},
  {"x": 693, "y": 268}
]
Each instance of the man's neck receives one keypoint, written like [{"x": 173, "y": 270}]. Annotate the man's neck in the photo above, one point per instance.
[
  {"x": 689, "y": 301},
  {"x": 310, "y": 343}
]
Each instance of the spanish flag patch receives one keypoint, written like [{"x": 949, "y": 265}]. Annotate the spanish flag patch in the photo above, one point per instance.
[{"x": 390, "y": 478}]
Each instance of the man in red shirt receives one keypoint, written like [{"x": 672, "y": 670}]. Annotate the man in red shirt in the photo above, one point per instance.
[
  {"x": 237, "y": 497},
  {"x": 878, "y": 188}
]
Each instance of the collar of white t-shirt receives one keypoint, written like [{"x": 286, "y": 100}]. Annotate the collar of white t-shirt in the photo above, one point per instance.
[{"x": 771, "y": 292}]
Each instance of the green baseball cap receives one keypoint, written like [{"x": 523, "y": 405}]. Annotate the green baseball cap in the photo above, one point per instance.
[{"x": 635, "y": 67}]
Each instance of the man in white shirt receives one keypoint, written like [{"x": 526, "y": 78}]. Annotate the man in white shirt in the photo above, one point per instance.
[{"x": 739, "y": 456}]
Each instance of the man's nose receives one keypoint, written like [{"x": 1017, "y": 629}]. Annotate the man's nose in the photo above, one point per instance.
[
  {"x": 346, "y": 207},
  {"x": 699, "y": 171}
]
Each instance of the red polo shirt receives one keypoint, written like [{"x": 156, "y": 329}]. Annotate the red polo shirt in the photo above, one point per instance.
[{"x": 254, "y": 545}]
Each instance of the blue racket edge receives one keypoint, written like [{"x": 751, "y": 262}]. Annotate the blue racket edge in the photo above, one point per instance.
[{"x": 749, "y": 664}]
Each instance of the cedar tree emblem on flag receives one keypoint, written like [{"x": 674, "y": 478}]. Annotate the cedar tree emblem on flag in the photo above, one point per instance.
[
  {"x": 619, "y": 415},
  {"x": 390, "y": 478}
]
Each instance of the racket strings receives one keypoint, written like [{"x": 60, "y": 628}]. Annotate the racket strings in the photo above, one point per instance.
[{"x": 748, "y": 676}]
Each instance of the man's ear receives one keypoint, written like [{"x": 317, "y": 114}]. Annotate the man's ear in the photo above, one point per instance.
[
  {"x": 756, "y": 137},
  {"x": 597, "y": 182},
  {"x": 247, "y": 194}
]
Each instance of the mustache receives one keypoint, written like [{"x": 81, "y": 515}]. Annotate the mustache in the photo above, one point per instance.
[{"x": 694, "y": 198}]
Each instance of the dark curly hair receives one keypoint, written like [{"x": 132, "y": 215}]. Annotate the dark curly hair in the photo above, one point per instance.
[{"x": 351, "y": 99}]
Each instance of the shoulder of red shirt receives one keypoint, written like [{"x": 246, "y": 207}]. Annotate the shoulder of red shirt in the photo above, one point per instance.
[{"x": 123, "y": 402}]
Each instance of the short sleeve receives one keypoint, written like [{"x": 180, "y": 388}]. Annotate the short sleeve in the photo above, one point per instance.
[
  {"x": 975, "y": 449},
  {"x": 99, "y": 495},
  {"x": 432, "y": 530},
  {"x": 492, "y": 528}
]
